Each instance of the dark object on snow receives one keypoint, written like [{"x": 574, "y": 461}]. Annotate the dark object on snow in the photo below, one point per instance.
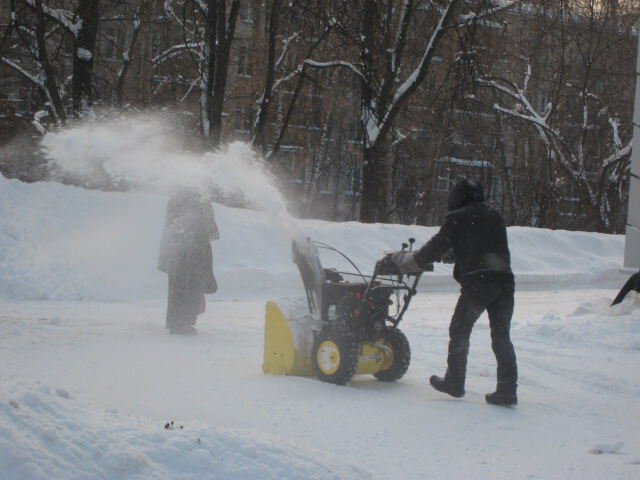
[
  {"x": 186, "y": 256},
  {"x": 632, "y": 284},
  {"x": 478, "y": 236},
  {"x": 169, "y": 426}
]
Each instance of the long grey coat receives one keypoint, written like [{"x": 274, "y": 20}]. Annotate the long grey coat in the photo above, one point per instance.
[{"x": 185, "y": 248}]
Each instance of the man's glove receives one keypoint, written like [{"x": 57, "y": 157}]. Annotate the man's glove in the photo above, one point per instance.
[
  {"x": 406, "y": 262},
  {"x": 385, "y": 266}
]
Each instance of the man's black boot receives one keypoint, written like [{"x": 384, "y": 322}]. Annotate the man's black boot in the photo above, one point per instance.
[
  {"x": 505, "y": 395},
  {"x": 455, "y": 388}
]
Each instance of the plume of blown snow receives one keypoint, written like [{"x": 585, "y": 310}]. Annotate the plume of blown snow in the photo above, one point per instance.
[{"x": 147, "y": 152}]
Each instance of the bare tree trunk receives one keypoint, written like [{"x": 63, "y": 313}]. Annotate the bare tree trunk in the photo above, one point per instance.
[
  {"x": 382, "y": 99},
  {"x": 50, "y": 84},
  {"x": 287, "y": 117},
  {"x": 270, "y": 87},
  {"x": 208, "y": 66},
  {"x": 225, "y": 38},
  {"x": 374, "y": 185},
  {"x": 84, "y": 52},
  {"x": 261, "y": 122},
  {"x": 141, "y": 13},
  {"x": 219, "y": 31}
]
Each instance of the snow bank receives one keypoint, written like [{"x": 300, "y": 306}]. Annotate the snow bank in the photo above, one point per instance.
[
  {"x": 46, "y": 434},
  {"x": 61, "y": 242}
]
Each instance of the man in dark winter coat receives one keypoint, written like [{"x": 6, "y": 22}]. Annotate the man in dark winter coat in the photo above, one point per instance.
[
  {"x": 478, "y": 237},
  {"x": 186, "y": 256}
]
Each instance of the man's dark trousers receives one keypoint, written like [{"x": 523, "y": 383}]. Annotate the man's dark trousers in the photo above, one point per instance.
[{"x": 478, "y": 295}]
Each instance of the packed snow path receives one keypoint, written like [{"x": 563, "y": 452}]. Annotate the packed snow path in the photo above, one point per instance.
[
  {"x": 86, "y": 388},
  {"x": 116, "y": 367}
]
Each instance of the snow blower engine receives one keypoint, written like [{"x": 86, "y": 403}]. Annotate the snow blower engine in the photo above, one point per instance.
[{"x": 351, "y": 325}]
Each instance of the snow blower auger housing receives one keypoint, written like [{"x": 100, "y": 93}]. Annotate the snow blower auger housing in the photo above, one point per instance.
[{"x": 349, "y": 329}]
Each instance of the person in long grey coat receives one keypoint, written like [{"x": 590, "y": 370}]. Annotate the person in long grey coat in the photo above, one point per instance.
[{"x": 186, "y": 256}]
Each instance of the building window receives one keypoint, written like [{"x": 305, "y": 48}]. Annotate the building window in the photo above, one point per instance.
[
  {"x": 420, "y": 133},
  {"x": 290, "y": 61},
  {"x": 443, "y": 177},
  {"x": 296, "y": 166},
  {"x": 111, "y": 44},
  {"x": 544, "y": 99},
  {"x": 355, "y": 181},
  {"x": 244, "y": 64},
  {"x": 292, "y": 161},
  {"x": 451, "y": 169},
  {"x": 489, "y": 140},
  {"x": 246, "y": 12},
  {"x": 356, "y": 133},
  {"x": 315, "y": 119},
  {"x": 458, "y": 138},
  {"x": 324, "y": 182},
  {"x": 242, "y": 118}
]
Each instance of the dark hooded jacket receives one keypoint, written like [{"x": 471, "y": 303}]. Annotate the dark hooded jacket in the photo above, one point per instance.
[{"x": 477, "y": 235}]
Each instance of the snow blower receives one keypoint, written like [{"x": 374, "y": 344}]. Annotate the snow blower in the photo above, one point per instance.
[{"x": 347, "y": 327}]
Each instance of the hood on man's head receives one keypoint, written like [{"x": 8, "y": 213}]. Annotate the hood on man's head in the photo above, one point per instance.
[{"x": 466, "y": 191}]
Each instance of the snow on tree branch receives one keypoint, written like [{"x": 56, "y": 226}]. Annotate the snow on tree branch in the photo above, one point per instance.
[
  {"x": 617, "y": 156},
  {"x": 32, "y": 78},
  {"x": 203, "y": 6},
  {"x": 168, "y": 8},
  {"x": 63, "y": 17},
  {"x": 401, "y": 35},
  {"x": 189, "y": 90},
  {"x": 285, "y": 47},
  {"x": 469, "y": 19},
  {"x": 595, "y": 180},
  {"x": 37, "y": 121},
  {"x": 335, "y": 63},
  {"x": 176, "y": 50},
  {"x": 412, "y": 81},
  {"x": 523, "y": 108},
  {"x": 615, "y": 124}
]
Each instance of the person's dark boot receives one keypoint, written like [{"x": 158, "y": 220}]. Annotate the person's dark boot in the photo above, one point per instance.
[
  {"x": 453, "y": 387},
  {"x": 505, "y": 395}
]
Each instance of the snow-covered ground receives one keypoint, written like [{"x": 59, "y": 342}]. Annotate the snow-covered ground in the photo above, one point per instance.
[{"x": 89, "y": 377}]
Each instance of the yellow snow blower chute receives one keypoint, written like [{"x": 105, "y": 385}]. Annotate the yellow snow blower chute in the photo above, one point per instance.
[{"x": 344, "y": 328}]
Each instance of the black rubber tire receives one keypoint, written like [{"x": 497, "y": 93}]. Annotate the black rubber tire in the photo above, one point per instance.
[
  {"x": 347, "y": 347},
  {"x": 396, "y": 340}
]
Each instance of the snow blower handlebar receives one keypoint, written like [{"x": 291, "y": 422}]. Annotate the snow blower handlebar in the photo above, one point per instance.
[
  {"x": 320, "y": 282},
  {"x": 387, "y": 267}
]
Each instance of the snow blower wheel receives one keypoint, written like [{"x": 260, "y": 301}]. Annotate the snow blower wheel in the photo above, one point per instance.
[
  {"x": 334, "y": 356},
  {"x": 397, "y": 360}
]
